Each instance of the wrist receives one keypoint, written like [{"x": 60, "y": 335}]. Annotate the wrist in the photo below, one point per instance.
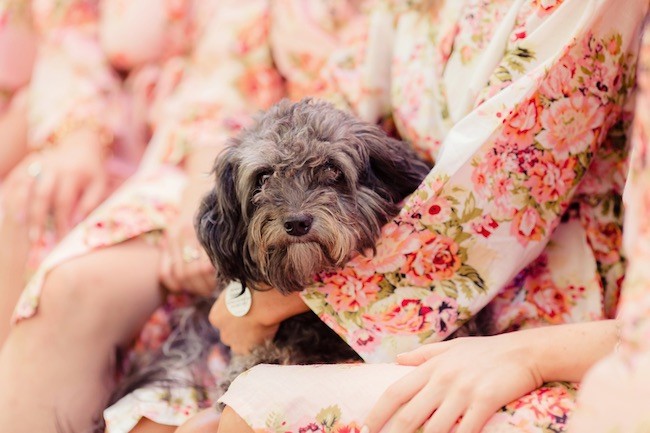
[
  {"x": 277, "y": 307},
  {"x": 566, "y": 352},
  {"x": 97, "y": 138}
]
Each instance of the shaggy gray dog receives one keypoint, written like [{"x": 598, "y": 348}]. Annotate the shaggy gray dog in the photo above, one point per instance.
[{"x": 302, "y": 191}]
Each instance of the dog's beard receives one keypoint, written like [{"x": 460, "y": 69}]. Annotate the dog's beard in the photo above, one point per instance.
[
  {"x": 289, "y": 263},
  {"x": 291, "y": 268}
]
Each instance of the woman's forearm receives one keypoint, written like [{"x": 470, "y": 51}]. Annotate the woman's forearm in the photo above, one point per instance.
[{"x": 566, "y": 352}]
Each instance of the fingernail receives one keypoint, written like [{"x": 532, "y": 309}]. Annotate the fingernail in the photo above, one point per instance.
[{"x": 365, "y": 429}]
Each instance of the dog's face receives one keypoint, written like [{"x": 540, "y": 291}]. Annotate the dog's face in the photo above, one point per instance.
[{"x": 300, "y": 192}]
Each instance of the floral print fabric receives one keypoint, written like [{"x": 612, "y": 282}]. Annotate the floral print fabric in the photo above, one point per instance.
[
  {"x": 202, "y": 70},
  {"x": 515, "y": 171},
  {"x": 616, "y": 391},
  {"x": 523, "y": 107}
]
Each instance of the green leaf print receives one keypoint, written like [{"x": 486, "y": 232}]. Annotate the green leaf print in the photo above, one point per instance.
[
  {"x": 478, "y": 285},
  {"x": 329, "y": 417},
  {"x": 275, "y": 422}
]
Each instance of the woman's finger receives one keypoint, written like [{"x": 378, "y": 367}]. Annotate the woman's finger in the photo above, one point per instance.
[
  {"x": 90, "y": 199},
  {"x": 166, "y": 275},
  {"x": 422, "y": 353},
  {"x": 396, "y": 396},
  {"x": 415, "y": 413},
  {"x": 194, "y": 282},
  {"x": 179, "y": 266},
  {"x": 444, "y": 418},
  {"x": 204, "y": 281},
  {"x": 41, "y": 200},
  {"x": 65, "y": 195},
  {"x": 475, "y": 417}
]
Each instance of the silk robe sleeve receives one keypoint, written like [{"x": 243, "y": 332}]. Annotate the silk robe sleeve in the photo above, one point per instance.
[
  {"x": 536, "y": 100},
  {"x": 614, "y": 393},
  {"x": 73, "y": 85},
  {"x": 230, "y": 76}
]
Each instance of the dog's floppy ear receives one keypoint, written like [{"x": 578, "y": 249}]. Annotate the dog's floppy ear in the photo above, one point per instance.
[
  {"x": 219, "y": 224},
  {"x": 394, "y": 168}
]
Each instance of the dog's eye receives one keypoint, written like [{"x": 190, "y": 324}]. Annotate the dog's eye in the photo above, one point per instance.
[
  {"x": 332, "y": 173},
  {"x": 262, "y": 178}
]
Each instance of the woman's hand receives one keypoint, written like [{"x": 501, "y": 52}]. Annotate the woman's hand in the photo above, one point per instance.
[
  {"x": 268, "y": 310},
  {"x": 66, "y": 182},
  {"x": 471, "y": 378},
  {"x": 184, "y": 264},
  {"x": 467, "y": 379}
]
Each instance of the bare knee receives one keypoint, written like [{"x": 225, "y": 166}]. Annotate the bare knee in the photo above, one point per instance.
[
  {"x": 231, "y": 422},
  {"x": 107, "y": 294},
  {"x": 206, "y": 421},
  {"x": 71, "y": 299}
]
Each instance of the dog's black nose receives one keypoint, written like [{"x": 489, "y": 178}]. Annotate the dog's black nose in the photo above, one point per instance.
[{"x": 298, "y": 225}]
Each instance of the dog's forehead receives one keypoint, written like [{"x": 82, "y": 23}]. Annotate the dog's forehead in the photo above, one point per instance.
[{"x": 294, "y": 154}]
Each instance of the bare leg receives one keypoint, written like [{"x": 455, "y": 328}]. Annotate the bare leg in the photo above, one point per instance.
[
  {"x": 13, "y": 136},
  {"x": 147, "y": 426},
  {"x": 60, "y": 363},
  {"x": 206, "y": 421},
  {"x": 232, "y": 423},
  {"x": 13, "y": 259}
]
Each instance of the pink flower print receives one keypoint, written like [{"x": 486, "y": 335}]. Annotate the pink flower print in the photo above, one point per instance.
[
  {"x": 311, "y": 427},
  {"x": 480, "y": 176},
  {"x": 437, "y": 259},
  {"x": 521, "y": 128},
  {"x": 492, "y": 180},
  {"x": 263, "y": 85},
  {"x": 348, "y": 291},
  {"x": 545, "y": 403},
  {"x": 528, "y": 158},
  {"x": 557, "y": 84},
  {"x": 606, "y": 241},
  {"x": 502, "y": 195},
  {"x": 445, "y": 311},
  {"x": 435, "y": 211},
  {"x": 601, "y": 72},
  {"x": 484, "y": 226},
  {"x": 398, "y": 241},
  {"x": 551, "y": 301},
  {"x": 546, "y": 6},
  {"x": 252, "y": 36},
  {"x": 527, "y": 226},
  {"x": 364, "y": 341},
  {"x": 408, "y": 316},
  {"x": 351, "y": 428},
  {"x": 550, "y": 180},
  {"x": 569, "y": 124}
]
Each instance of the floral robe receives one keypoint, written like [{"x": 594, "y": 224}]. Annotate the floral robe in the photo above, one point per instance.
[
  {"x": 522, "y": 105},
  {"x": 200, "y": 70},
  {"x": 615, "y": 394}
]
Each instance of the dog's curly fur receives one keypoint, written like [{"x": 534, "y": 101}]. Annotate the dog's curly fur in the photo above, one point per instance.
[
  {"x": 300, "y": 163},
  {"x": 302, "y": 191}
]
